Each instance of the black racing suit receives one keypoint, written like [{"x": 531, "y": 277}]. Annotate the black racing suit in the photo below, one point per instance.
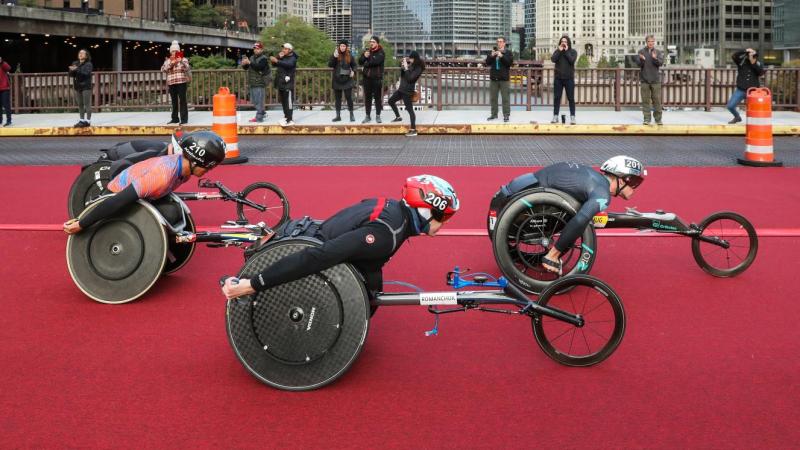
[
  {"x": 365, "y": 235},
  {"x": 589, "y": 187}
]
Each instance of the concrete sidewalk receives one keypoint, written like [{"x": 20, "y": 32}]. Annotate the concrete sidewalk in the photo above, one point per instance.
[{"x": 590, "y": 121}]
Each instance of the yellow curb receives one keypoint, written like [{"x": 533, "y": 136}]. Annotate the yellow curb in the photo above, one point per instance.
[{"x": 510, "y": 128}]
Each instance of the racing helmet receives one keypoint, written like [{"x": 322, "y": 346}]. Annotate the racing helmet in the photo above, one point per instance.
[
  {"x": 432, "y": 196},
  {"x": 629, "y": 169},
  {"x": 202, "y": 148}
]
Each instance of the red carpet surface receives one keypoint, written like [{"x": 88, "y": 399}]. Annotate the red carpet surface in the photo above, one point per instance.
[{"x": 705, "y": 362}]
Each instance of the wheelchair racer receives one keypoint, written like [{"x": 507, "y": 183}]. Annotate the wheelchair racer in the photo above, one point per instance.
[
  {"x": 193, "y": 154},
  {"x": 366, "y": 235},
  {"x": 620, "y": 177}
]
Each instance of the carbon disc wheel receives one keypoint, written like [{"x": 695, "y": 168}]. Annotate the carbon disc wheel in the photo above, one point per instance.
[
  {"x": 117, "y": 260},
  {"x": 91, "y": 182},
  {"x": 300, "y": 335}
]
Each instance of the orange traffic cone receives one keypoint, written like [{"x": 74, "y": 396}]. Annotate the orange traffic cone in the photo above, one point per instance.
[
  {"x": 224, "y": 124},
  {"x": 759, "y": 150}
]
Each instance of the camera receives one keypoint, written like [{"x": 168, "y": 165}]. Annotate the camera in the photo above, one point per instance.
[{"x": 494, "y": 48}]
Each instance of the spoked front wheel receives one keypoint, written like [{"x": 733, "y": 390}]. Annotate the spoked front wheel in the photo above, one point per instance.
[
  {"x": 273, "y": 207},
  {"x": 603, "y": 315},
  {"x": 727, "y": 244}
]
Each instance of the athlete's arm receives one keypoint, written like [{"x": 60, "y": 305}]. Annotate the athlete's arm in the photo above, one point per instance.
[{"x": 109, "y": 207}]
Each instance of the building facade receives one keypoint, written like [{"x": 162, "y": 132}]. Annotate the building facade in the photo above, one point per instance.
[
  {"x": 157, "y": 10},
  {"x": 335, "y": 18},
  {"x": 645, "y": 17},
  {"x": 597, "y": 28},
  {"x": 270, "y": 10},
  {"x": 442, "y": 28},
  {"x": 724, "y": 26},
  {"x": 786, "y": 29},
  {"x": 530, "y": 26}
]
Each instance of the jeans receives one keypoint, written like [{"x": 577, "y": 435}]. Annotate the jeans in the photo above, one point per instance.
[
  {"x": 348, "y": 95},
  {"x": 373, "y": 89},
  {"x": 651, "y": 100},
  {"x": 257, "y": 97},
  {"x": 286, "y": 101},
  {"x": 177, "y": 93},
  {"x": 84, "y": 99},
  {"x": 560, "y": 85},
  {"x": 502, "y": 88},
  {"x": 409, "y": 106},
  {"x": 5, "y": 104},
  {"x": 736, "y": 98}
]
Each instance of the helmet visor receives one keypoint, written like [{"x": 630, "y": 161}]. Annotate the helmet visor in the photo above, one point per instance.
[{"x": 633, "y": 181}]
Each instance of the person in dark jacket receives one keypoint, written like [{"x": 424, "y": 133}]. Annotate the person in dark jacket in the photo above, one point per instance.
[
  {"x": 365, "y": 235},
  {"x": 5, "y": 92},
  {"x": 750, "y": 69},
  {"x": 499, "y": 63},
  {"x": 410, "y": 71},
  {"x": 564, "y": 58},
  {"x": 286, "y": 66},
  {"x": 344, "y": 72},
  {"x": 81, "y": 73},
  {"x": 258, "y": 74},
  {"x": 650, "y": 60},
  {"x": 372, "y": 61}
]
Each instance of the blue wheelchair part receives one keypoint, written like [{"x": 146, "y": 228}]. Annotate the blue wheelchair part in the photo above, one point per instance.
[{"x": 460, "y": 280}]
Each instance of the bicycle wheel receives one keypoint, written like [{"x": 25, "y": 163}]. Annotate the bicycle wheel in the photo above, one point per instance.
[
  {"x": 269, "y": 196},
  {"x": 728, "y": 227},
  {"x": 88, "y": 186},
  {"x": 604, "y": 321}
]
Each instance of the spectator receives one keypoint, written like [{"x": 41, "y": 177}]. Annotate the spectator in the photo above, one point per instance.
[
  {"x": 372, "y": 61},
  {"x": 750, "y": 69},
  {"x": 81, "y": 72},
  {"x": 410, "y": 71},
  {"x": 286, "y": 64},
  {"x": 5, "y": 92},
  {"x": 258, "y": 75},
  {"x": 177, "y": 69},
  {"x": 499, "y": 63},
  {"x": 564, "y": 57},
  {"x": 344, "y": 70},
  {"x": 650, "y": 59}
]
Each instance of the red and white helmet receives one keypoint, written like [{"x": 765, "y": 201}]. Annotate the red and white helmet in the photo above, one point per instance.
[{"x": 432, "y": 196}]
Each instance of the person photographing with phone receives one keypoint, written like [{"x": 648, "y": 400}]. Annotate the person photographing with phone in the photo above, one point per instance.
[
  {"x": 285, "y": 67},
  {"x": 372, "y": 61},
  {"x": 344, "y": 72},
  {"x": 564, "y": 58},
  {"x": 81, "y": 73},
  {"x": 411, "y": 69},
  {"x": 750, "y": 69},
  {"x": 650, "y": 59},
  {"x": 499, "y": 62},
  {"x": 258, "y": 75},
  {"x": 177, "y": 68}
]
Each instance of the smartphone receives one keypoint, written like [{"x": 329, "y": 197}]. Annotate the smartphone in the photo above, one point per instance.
[{"x": 495, "y": 48}]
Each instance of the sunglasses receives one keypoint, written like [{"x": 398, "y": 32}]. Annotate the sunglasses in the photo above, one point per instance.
[{"x": 633, "y": 181}]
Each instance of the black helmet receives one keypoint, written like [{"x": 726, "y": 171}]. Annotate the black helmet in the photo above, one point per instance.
[{"x": 202, "y": 148}]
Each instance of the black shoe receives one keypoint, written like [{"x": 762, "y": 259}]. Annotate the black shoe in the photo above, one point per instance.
[
  {"x": 735, "y": 120},
  {"x": 173, "y": 121},
  {"x": 378, "y": 119},
  {"x": 366, "y": 119},
  {"x": 80, "y": 124},
  {"x": 505, "y": 119},
  {"x": 338, "y": 118},
  {"x": 184, "y": 123},
  {"x": 352, "y": 117},
  {"x": 491, "y": 118},
  {"x": 8, "y": 124},
  {"x": 397, "y": 119},
  {"x": 411, "y": 132}
]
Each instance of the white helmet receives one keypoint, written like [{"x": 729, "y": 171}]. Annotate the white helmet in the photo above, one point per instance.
[{"x": 627, "y": 168}]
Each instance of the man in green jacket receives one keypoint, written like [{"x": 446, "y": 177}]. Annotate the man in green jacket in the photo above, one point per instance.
[{"x": 258, "y": 73}]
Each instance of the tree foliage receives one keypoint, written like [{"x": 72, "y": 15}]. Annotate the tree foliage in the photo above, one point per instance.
[
  {"x": 583, "y": 62},
  {"x": 211, "y": 62},
  {"x": 312, "y": 46}
]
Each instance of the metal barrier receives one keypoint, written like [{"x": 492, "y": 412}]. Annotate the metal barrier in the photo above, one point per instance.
[{"x": 442, "y": 87}]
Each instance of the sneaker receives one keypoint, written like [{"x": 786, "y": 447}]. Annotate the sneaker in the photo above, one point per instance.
[
  {"x": 171, "y": 122},
  {"x": 397, "y": 119},
  {"x": 555, "y": 119},
  {"x": 254, "y": 120},
  {"x": 183, "y": 123},
  {"x": 659, "y": 123},
  {"x": 338, "y": 118},
  {"x": 86, "y": 123},
  {"x": 491, "y": 118},
  {"x": 378, "y": 119},
  {"x": 366, "y": 120},
  {"x": 290, "y": 123},
  {"x": 735, "y": 120},
  {"x": 572, "y": 120},
  {"x": 646, "y": 122},
  {"x": 411, "y": 133},
  {"x": 283, "y": 122},
  {"x": 8, "y": 124},
  {"x": 79, "y": 124},
  {"x": 505, "y": 119}
]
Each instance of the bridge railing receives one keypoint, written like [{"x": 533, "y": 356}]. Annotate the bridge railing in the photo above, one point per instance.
[{"x": 441, "y": 88}]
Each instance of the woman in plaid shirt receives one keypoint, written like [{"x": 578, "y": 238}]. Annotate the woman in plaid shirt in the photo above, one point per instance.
[{"x": 177, "y": 69}]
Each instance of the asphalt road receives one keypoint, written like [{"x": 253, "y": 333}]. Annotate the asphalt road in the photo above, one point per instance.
[{"x": 432, "y": 150}]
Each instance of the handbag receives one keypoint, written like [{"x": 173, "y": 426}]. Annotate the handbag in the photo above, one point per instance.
[
  {"x": 415, "y": 96},
  {"x": 344, "y": 71}
]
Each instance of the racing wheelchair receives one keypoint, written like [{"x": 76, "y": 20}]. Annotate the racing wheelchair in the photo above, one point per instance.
[
  {"x": 257, "y": 202},
  {"x": 523, "y": 226},
  {"x": 118, "y": 260},
  {"x": 307, "y": 333}
]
